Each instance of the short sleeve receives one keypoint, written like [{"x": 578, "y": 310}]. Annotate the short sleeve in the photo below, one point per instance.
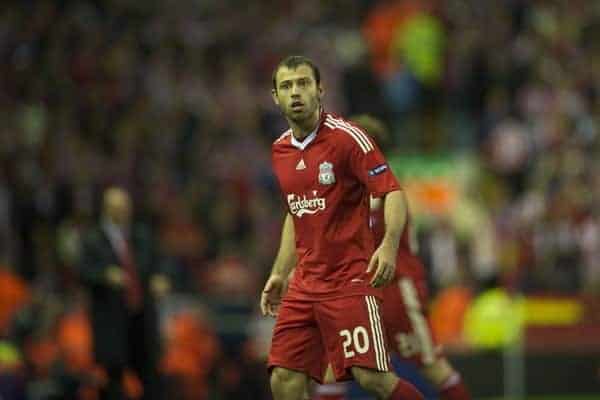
[{"x": 370, "y": 167}]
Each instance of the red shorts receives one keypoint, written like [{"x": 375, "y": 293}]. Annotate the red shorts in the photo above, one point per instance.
[
  {"x": 348, "y": 330},
  {"x": 407, "y": 326}
]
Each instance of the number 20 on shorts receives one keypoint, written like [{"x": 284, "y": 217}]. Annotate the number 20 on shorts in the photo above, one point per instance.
[{"x": 357, "y": 340}]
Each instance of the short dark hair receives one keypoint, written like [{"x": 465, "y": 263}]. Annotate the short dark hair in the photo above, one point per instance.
[{"x": 293, "y": 62}]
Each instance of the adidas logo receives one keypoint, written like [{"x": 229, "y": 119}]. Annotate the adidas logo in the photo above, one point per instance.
[{"x": 300, "y": 165}]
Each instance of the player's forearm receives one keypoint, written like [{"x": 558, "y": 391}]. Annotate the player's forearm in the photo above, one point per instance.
[
  {"x": 286, "y": 256},
  {"x": 395, "y": 217}
]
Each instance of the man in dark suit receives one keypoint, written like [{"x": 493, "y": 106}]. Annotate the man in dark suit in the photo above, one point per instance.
[{"x": 120, "y": 268}]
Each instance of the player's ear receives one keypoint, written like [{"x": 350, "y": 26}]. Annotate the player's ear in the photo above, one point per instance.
[
  {"x": 274, "y": 96},
  {"x": 320, "y": 90}
]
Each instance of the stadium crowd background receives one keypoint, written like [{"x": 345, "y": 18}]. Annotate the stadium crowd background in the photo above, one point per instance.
[{"x": 170, "y": 99}]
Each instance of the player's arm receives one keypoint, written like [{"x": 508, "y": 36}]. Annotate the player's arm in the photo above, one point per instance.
[
  {"x": 282, "y": 267},
  {"x": 384, "y": 258},
  {"x": 286, "y": 256},
  {"x": 394, "y": 214},
  {"x": 370, "y": 167}
]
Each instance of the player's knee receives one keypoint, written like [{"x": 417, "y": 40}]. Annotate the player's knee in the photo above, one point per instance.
[
  {"x": 379, "y": 383},
  {"x": 286, "y": 380},
  {"x": 438, "y": 372}
]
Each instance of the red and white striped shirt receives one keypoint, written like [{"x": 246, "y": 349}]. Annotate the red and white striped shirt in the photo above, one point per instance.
[{"x": 326, "y": 180}]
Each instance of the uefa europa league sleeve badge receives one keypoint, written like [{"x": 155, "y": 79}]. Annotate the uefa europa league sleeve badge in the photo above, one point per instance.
[{"x": 326, "y": 175}]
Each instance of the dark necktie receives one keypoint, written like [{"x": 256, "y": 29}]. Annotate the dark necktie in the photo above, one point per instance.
[{"x": 133, "y": 285}]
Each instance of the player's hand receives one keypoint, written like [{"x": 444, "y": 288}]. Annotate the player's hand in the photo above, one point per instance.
[
  {"x": 115, "y": 276},
  {"x": 383, "y": 262},
  {"x": 160, "y": 285},
  {"x": 271, "y": 295}
]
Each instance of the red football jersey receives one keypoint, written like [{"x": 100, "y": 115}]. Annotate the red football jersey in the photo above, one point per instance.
[{"x": 326, "y": 180}]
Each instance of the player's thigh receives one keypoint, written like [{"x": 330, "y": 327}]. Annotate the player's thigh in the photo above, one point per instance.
[
  {"x": 296, "y": 344},
  {"x": 353, "y": 334},
  {"x": 406, "y": 321},
  {"x": 439, "y": 372},
  {"x": 373, "y": 380},
  {"x": 329, "y": 375},
  {"x": 287, "y": 382}
]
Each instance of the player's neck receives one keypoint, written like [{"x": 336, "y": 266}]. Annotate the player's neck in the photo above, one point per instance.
[{"x": 302, "y": 129}]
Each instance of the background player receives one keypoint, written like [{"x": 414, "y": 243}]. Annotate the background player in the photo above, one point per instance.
[
  {"x": 326, "y": 169},
  {"x": 404, "y": 304}
]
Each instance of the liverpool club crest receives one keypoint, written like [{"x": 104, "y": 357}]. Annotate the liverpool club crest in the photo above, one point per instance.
[{"x": 326, "y": 175}]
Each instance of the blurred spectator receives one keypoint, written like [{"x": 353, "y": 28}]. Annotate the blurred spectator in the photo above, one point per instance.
[
  {"x": 12, "y": 373},
  {"x": 191, "y": 350},
  {"x": 14, "y": 295},
  {"x": 120, "y": 267},
  {"x": 171, "y": 101}
]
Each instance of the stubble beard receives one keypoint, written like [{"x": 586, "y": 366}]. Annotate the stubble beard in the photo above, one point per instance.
[
  {"x": 298, "y": 118},
  {"x": 302, "y": 117}
]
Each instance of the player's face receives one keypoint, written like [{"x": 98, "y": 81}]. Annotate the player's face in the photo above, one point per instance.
[{"x": 297, "y": 95}]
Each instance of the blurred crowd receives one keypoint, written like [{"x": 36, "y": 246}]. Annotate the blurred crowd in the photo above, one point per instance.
[{"x": 171, "y": 100}]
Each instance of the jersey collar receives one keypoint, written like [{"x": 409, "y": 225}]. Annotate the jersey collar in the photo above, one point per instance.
[{"x": 310, "y": 138}]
